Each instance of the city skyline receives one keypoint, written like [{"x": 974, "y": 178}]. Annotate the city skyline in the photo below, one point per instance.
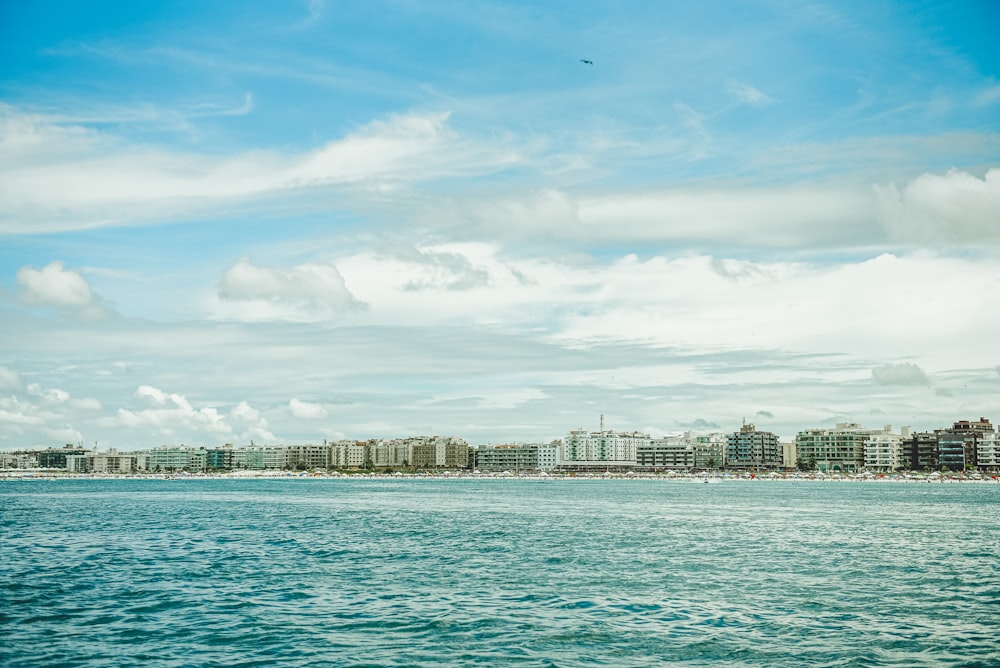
[{"x": 228, "y": 222}]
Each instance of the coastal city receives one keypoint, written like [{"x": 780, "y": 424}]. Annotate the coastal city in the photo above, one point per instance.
[{"x": 966, "y": 447}]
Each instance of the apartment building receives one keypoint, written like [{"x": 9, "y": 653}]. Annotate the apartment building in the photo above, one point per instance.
[
  {"x": 673, "y": 452},
  {"x": 884, "y": 452},
  {"x": 841, "y": 449},
  {"x": 607, "y": 449},
  {"x": 749, "y": 448},
  {"x": 514, "y": 457}
]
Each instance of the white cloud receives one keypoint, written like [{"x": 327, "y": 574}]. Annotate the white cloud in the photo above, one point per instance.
[
  {"x": 304, "y": 292},
  {"x": 9, "y": 379},
  {"x": 747, "y": 94},
  {"x": 956, "y": 207},
  {"x": 862, "y": 307},
  {"x": 793, "y": 216},
  {"x": 254, "y": 426},
  {"x": 51, "y": 395},
  {"x": 784, "y": 216},
  {"x": 53, "y": 285},
  {"x": 103, "y": 180},
  {"x": 41, "y": 416},
  {"x": 244, "y": 413},
  {"x": 305, "y": 410},
  {"x": 170, "y": 415},
  {"x": 905, "y": 373}
]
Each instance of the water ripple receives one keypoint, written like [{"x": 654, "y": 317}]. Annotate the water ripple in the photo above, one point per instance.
[{"x": 566, "y": 573}]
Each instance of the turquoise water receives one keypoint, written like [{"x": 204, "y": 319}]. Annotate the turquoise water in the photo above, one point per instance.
[{"x": 498, "y": 572}]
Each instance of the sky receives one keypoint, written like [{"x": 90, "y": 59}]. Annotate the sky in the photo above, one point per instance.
[{"x": 277, "y": 223}]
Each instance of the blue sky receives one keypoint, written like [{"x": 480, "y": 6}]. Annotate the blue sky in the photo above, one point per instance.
[{"x": 284, "y": 222}]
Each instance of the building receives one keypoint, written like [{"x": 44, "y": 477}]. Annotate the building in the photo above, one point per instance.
[
  {"x": 789, "y": 455},
  {"x": 19, "y": 459},
  {"x": 514, "y": 457},
  {"x": 710, "y": 451},
  {"x": 55, "y": 458},
  {"x": 171, "y": 458},
  {"x": 921, "y": 450},
  {"x": 675, "y": 452},
  {"x": 113, "y": 461},
  {"x": 601, "y": 449},
  {"x": 219, "y": 459},
  {"x": 351, "y": 455},
  {"x": 439, "y": 452},
  {"x": 260, "y": 457},
  {"x": 988, "y": 452},
  {"x": 841, "y": 449},
  {"x": 79, "y": 463},
  {"x": 752, "y": 449},
  {"x": 884, "y": 452},
  {"x": 306, "y": 457},
  {"x": 957, "y": 447},
  {"x": 392, "y": 452}
]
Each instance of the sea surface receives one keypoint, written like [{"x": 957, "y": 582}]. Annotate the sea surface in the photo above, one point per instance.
[{"x": 521, "y": 572}]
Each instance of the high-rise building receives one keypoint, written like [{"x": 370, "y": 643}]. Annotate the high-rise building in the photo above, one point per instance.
[
  {"x": 514, "y": 457},
  {"x": 841, "y": 449},
  {"x": 752, "y": 449},
  {"x": 884, "y": 452},
  {"x": 921, "y": 450},
  {"x": 988, "y": 452},
  {"x": 595, "y": 449},
  {"x": 675, "y": 452},
  {"x": 957, "y": 446}
]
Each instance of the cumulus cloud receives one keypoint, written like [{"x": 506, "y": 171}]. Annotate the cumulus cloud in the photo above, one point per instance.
[
  {"x": 305, "y": 410},
  {"x": 54, "y": 285},
  {"x": 170, "y": 414},
  {"x": 243, "y": 412},
  {"x": 304, "y": 292},
  {"x": 438, "y": 269},
  {"x": 905, "y": 373},
  {"x": 956, "y": 207},
  {"x": 52, "y": 395},
  {"x": 40, "y": 415},
  {"x": 254, "y": 426}
]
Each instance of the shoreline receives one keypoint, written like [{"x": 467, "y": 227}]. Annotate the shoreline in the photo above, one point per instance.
[{"x": 506, "y": 475}]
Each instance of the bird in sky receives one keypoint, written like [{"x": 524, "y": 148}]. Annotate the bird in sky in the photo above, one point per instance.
[{"x": 589, "y": 62}]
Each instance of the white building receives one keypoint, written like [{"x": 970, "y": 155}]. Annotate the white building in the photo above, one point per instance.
[
  {"x": 988, "y": 452},
  {"x": 349, "y": 454},
  {"x": 884, "y": 452},
  {"x": 601, "y": 448}
]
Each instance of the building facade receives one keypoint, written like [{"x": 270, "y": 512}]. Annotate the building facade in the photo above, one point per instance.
[
  {"x": 677, "y": 452},
  {"x": 601, "y": 449},
  {"x": 841, "y": 449},
  {"x": 514, "y": 457},
  {"x": 751, "y": 449},
  {"x": 884, "y": 453},
  {"x": 958, "y": 446}
]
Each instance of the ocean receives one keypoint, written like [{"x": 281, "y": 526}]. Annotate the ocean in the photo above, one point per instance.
[{"x": 527, "y": 572}]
